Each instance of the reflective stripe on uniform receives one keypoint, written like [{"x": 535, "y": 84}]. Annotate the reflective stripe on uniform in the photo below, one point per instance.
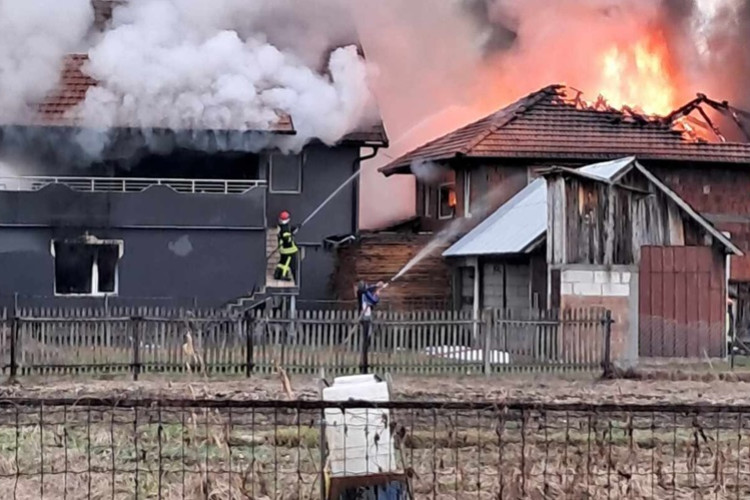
[{"x": 286, "y": 244}]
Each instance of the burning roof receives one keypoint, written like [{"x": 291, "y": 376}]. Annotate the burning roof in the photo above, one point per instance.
[
  {"x": 556, "y": 123},
  {"x": 59, "y": 108}
]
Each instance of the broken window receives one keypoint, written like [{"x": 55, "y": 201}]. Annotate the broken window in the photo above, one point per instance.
[
  {"x": 447, "y": 205},
  {"x": 86, "y": 267},
  {"x": 285, "y": 173}
]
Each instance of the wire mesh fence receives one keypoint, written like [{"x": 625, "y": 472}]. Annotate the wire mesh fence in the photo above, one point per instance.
[{"x": 189, "y": 449}]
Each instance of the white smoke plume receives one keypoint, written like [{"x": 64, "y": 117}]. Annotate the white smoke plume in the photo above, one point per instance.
[
  {"x": 429, "y": 172},
  {"x": 184, "y": 64},
  {"x": 34, "y": 37}
]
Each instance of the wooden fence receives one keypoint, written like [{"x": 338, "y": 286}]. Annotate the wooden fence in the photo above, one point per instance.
[{"x": 159, "y": 340}]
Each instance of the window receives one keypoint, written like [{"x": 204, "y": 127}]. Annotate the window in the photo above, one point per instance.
[
  {"x": 427, "y": 200},
  {"x": 285, "y": 173},
  {"x": 447, "y": 207},
  {"x": 467, "y": 193},
  {"x": 86, "y": 266}
]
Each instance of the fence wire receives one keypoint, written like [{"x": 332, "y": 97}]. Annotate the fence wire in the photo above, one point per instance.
[{"x": 188, "y": 449}]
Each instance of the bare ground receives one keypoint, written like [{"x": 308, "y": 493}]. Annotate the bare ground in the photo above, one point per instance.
[{"x": 687, "y": 388}]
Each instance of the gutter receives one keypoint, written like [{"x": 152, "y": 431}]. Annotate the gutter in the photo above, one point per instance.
[{"x": 356, "y": 165}]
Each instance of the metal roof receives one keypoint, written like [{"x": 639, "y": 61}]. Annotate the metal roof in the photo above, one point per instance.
[{"x": 521, "y": 223}]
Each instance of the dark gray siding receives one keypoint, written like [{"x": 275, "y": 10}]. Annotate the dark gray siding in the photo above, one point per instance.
[
  {"x": 158, "y": 206},
  {"x": 178, "y": 248},
  {"x": 324, "y": 170}
]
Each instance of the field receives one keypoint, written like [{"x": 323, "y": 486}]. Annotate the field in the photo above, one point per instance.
[
  {"x": 459, "y": 451},
  {"x": 666, "y": 387}
]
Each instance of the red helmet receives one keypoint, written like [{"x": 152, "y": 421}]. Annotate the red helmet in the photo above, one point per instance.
[{"x": 284, "y": 217}]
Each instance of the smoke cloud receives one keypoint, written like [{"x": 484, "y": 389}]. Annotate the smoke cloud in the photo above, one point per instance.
[
  {"x": 499, "y": 50},
  {"x": 34, "y": 37},
  {"x": 181, "y": 64},
  {"x": 428, "y": 172}
]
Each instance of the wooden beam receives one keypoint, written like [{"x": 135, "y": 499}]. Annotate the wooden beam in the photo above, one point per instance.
[{"x": 609, "y": 227}]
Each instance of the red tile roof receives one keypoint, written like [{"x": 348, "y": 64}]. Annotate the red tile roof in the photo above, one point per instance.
[
  {"x": 58, "y": 108},
  {"x": 554, "y": 124}
]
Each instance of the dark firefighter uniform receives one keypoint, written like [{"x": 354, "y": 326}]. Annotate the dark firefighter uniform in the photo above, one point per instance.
[{"x": 286, "y": 268}]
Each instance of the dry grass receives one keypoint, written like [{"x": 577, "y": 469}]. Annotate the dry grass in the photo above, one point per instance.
[
  {"x": 219, "y": 456},
  {"x": 205, "y": 454}
]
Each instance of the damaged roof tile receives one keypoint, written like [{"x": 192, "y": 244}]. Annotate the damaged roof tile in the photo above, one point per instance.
[{"x": 554, "y": 124}]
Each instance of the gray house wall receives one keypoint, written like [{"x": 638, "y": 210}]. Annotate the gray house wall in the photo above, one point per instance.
[
  {"x": 224, "y": 233},
  {"x": 324, "y": 170},
  {"x": 177, "y": 248}
]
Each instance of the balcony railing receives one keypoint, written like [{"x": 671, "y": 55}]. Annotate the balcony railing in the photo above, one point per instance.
[{"x": 130, "y": 184}]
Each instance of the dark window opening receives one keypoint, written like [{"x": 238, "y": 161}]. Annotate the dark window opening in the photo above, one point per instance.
[
  {"x": 447, "y": 205},
  {"x": 183, "y": 164},
  {"x": 285, "y": 172},
  {"x": 85, "y": 268}
]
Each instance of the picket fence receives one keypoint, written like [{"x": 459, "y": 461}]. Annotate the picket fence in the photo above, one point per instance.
[{"x": 160, "y": 340}]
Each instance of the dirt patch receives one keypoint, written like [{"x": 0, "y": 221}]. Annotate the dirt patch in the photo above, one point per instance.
[{"x": 703, "y": 388}]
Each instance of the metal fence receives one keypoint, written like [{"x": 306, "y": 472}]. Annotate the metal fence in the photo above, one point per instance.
[
  {"x": 90, "y": 448},
  {"x": 160, "y": 340}
]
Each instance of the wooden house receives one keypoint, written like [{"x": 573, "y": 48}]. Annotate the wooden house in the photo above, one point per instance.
[{"x": 611, "y": 235}]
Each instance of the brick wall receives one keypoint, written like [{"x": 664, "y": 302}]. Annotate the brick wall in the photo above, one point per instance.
[{"x": 588, "y": 288}]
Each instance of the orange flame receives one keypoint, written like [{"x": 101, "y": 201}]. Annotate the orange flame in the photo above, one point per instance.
[{"x": 639, "y": 76}]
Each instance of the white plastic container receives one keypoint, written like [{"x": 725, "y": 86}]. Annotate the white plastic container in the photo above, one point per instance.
[{"x": 359, "y": 440}]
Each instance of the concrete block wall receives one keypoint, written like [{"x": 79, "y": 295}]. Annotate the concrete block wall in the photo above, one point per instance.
[
  {"x": 591, "y": 283},
  {"x": 613, "y": 289}
]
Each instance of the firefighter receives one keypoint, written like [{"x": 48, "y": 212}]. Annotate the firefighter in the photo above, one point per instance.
[
  {"x": 287, "y": 267},
  {"x": 368, "y": 297}
]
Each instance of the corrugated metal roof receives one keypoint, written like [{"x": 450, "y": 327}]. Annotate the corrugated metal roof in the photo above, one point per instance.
[{"x": 516, "y": 226}]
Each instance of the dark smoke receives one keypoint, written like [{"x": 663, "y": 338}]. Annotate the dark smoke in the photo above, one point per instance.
[{"x": 496, "y": 28}]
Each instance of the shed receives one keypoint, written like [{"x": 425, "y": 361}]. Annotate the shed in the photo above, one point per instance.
[{"x": 608, "y": 235}]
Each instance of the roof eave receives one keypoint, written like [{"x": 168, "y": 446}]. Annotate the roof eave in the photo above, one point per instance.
[{"x": 163, "y": 130}]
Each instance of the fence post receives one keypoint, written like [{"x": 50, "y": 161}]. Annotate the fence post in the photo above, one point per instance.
[
  {"x": 365, "y": 326},
  {"x": 323, "y": 455},
  {"x": 136, "y": 323},
  {"x": 608, "y": 371},
  {"x": 13, "y": 346},
  {"x": 487, "y": 339},
  {"x": 249, "y": 333}
]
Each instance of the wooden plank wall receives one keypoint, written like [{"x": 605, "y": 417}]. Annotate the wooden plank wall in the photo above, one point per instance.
[
  {"x": 682, "y": 303},
  {"x": 158, "y": 340},
  {"x": 594, "y": 223},
  {"x": 381, "y": 256}
]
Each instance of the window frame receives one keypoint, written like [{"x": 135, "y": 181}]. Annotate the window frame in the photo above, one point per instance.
[
  {"x": 467, "y": 193},
  {"x": 427, "y": 200},
  {"x": 301, "y": 159},
  {"x": 89, "y": 241},
  {"x": 440, "y": 204}
]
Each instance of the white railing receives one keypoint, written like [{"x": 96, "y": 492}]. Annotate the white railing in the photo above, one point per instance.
[{"x": 130, "y": 184}]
